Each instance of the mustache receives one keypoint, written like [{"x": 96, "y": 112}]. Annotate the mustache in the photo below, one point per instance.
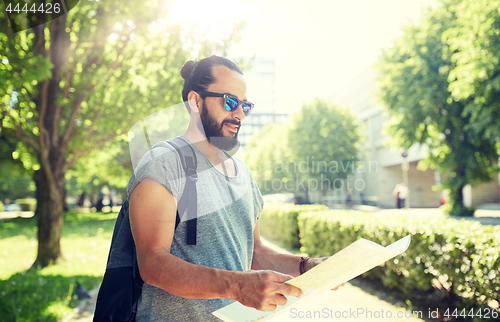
[{"x": 231, "y": 122}]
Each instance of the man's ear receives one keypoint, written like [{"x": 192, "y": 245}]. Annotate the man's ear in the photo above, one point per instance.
[{"x": 193, "y": 102}]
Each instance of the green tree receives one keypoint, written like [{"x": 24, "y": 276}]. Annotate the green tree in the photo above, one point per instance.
[
  {"x": 413, "y": 84},
  {"x": 71, "y": 85},
  {"x": 475, "y": 40},
  {"x": 268, "y": 155},
  {"x": 112, "y": 165},
  {"x": 324, "y": 141}
]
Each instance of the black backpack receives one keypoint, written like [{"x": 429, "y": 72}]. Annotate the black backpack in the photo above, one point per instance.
[{"x": 121, "y": 286}]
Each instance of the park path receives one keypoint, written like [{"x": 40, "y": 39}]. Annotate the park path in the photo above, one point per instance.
[{"x": 487, "y": 214}]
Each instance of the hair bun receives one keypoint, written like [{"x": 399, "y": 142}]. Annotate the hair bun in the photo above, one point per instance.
[{"x": 187, "y": 69}]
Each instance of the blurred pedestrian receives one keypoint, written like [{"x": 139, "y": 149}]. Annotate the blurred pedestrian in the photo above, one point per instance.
[
  {"x": 404, "y": 193},
  {"x": 100, "y": 202},
  {"x": 396, "y": 194},
  {"x": 444, "y": 197},
  {"x": 348, "y": 198},
  {"x": 362, "y": 198},
  {"x": 81, "y": 201}
]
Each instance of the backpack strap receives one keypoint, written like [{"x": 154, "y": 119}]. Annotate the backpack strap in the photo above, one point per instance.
[
  {"x": 189, "y": 164},
  {"x": 188, "y": 199}
]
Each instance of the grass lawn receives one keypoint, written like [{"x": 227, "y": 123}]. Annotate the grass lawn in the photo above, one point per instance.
[{"x": 48, "y": 294}]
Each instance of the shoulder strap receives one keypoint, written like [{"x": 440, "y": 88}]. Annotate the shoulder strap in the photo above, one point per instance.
[{"x": 188, "y": 199}]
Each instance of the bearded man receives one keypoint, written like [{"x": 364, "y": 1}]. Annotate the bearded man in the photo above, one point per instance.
[{"x": 225, "y": 261}]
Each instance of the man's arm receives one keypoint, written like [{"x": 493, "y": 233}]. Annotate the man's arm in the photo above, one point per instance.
[
  {"x": 152, "y": 219},
  {"x": 267, "y": 258}
]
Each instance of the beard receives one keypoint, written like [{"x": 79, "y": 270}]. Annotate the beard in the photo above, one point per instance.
[{"x": 213, "y": 131}]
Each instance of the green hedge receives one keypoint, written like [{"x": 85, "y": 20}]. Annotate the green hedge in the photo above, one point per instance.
[
  {"x": 278, "y": 222},
  {"x": 460, "y": 257},
  {"x": 28, "y": 204}
]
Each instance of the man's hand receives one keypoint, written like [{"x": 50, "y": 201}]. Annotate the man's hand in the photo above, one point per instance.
[
  {"x": 263, "y": 290},
  {"x": 311, "y": 262}
]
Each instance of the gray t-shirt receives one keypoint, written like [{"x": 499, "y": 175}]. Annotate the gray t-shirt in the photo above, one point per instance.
[{"x": 228, "y": 208}]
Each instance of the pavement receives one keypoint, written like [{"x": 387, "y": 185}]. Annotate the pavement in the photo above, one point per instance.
[
  {"x": 486, "y": 214},
  {"x": 15, "y": 214},
  {"x": 84, "y": 312}
]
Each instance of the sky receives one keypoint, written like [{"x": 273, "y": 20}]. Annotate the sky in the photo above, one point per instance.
[{"x": 318, "y": 46}]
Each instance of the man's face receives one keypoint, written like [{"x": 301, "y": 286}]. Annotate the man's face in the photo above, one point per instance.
[
  {"x": 220, "y": 125},
  {"x": 214, "y": 130}
]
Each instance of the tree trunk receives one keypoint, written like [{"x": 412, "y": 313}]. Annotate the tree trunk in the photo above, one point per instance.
[
  {"x": 459, "y": 209},
  {"x": 50, "y": 219},
  {"x": 459, "y": 193},
  {"x": 52, "y": 147}
]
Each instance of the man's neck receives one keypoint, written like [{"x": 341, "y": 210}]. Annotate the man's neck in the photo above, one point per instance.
[{"x": 198, "y": 139}]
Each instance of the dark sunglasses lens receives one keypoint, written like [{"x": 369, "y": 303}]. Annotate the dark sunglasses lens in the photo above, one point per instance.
[
  {"x": 231, "y": 103},
  {"x": 247, "y": 107}
]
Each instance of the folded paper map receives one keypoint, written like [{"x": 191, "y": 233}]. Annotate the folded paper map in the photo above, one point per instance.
[{"x": 350, "y": 262}]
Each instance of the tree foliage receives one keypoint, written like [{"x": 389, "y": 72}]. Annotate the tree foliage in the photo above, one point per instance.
[
  {"x": 326, "y": 137},
  {"x": 314, "y": 148},
  {"x": 16, "y": 181},
  {"x": 267, "y": 156},
  {"x": 414, "y": 84},
  {"x": 71, "y": 85},
  {"x": 113, "y": 165},
  {"x": 475, "y": 40}
]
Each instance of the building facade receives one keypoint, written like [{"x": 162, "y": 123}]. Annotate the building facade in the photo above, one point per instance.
[{"x": 394, "y": 167}]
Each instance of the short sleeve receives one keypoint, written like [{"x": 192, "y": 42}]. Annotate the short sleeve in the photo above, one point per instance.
[{"x": 162, "y": 164}]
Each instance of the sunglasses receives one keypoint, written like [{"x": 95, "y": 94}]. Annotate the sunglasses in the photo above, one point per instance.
[{"x": 231, "y": 102}]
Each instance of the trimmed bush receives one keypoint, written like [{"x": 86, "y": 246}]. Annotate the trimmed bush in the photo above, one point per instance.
[
  {"x": 461, "y": 258},
  {"x": 28, "y": 204},
  {"x": 279, "y": 222}
]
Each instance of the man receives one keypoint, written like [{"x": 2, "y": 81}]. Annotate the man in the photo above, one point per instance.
[
  {"x": 404, "y": 192},
  {"x": 188, "y": 282}
]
